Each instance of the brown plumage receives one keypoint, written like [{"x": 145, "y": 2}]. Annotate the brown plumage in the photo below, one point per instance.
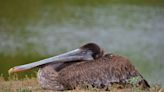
[{"x": 102, "y": 71}]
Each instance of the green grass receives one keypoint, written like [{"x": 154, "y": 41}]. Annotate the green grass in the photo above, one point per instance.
[{"x": 31, "y": 85}]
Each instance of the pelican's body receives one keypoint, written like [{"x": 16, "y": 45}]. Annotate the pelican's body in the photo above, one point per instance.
[
  {"x": 99, "y": 73},
  {"x": 102, "y": 71}
]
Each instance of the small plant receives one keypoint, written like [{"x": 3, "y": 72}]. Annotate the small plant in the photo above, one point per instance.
[
  {"x": 134, "y": 80},
  {"x": 23, "y": 90}
]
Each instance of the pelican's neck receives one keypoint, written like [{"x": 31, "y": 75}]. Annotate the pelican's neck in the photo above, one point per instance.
[
  {"x": 50, "y": 67},
  {"x": 47, "y": 77}
]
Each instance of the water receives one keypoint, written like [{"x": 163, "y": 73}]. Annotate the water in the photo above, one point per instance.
[{"x": 33, "y": 30}]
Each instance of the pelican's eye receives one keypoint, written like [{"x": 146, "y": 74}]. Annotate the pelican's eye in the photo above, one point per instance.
[{"x": 84, "y": 52}]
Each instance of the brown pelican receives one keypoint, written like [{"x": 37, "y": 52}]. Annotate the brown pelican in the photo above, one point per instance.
[{"x": 87, "y": 65}]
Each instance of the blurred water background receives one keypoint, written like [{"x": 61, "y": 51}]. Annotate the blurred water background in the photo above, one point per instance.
[{"x": 31, "y": 30}]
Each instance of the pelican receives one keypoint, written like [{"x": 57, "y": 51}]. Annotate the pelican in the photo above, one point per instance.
[{"x": 87, "y": 65}]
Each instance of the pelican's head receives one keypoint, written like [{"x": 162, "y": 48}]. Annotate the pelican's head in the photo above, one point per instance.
[
  {"x": 89, "y": 51},
  {"x": 96, "y": 51}
]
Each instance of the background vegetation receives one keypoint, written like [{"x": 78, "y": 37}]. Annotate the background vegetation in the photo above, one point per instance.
[{"x": 31, "y": 30}]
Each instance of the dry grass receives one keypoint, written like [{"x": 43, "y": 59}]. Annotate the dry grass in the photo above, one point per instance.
[{"x": 31, "y": 85}]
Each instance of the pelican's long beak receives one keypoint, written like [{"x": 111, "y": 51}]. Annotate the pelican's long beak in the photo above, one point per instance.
[{"x": 78, "y": 54}]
